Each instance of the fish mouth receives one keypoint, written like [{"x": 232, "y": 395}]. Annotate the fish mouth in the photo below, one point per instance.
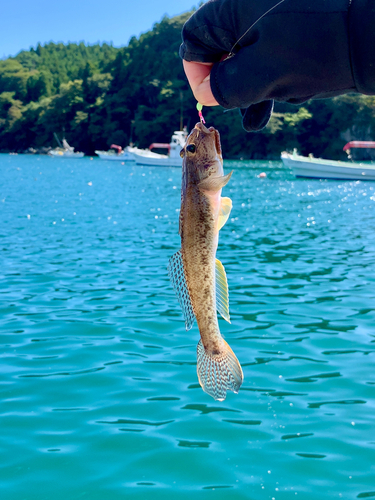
[{"x": 202, "y": 128}]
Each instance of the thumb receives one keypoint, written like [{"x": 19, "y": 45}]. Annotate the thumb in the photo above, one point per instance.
[{"x": 198, "y": 75}]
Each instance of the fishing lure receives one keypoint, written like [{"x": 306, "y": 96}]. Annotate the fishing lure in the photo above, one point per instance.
[{"x": 199, "y": 108}]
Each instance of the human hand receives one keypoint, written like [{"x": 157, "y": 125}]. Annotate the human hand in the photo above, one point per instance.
[
  {"x": 254, "y": 117},
  {"x": 298, "y": 51}
]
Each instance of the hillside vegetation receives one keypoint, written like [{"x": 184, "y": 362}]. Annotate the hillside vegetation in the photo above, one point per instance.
[{"x": 97, "y": 95}]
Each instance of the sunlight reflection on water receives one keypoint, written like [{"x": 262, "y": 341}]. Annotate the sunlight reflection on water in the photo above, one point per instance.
[{"x": 99, "y": 386}]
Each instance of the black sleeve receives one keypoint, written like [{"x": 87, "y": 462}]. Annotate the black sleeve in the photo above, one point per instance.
[{"x": 362, "y": 44}]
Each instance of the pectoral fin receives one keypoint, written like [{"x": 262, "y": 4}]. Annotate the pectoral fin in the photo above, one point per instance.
[
  {"x": 225, "y": 208},
  {"x": 177, "y": 276},
  {"x": 214, "y": 184},
  {"x": 222, "y": 295}
]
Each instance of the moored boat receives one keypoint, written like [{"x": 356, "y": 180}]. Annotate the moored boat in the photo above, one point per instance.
[
  {"x": 308, "y": 166},
  {"x": 65, "y": 150},
  {"x": 116, "y": 153},
  {"x": 172, "y": 159}
]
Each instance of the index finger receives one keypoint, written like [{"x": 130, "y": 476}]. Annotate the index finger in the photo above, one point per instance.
[{"x": 198, "y": 75}]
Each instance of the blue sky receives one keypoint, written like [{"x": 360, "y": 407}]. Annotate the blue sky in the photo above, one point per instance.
[{"x": 24, "y": 23}]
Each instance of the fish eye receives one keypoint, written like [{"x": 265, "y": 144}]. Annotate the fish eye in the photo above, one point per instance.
[
  {"x": 182, "y": 153},
  {"x": 191, "y": 148}
]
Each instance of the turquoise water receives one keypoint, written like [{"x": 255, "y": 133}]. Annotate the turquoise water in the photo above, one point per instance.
[{"x": 99, "y": 393}]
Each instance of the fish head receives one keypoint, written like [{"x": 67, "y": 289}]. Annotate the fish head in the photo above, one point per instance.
[{"x": 202, "y": 156}]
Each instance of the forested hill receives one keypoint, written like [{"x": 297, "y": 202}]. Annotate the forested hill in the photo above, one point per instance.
[
  {"x": 53, "y": 65},
  {"x": 98, "y": 95}
]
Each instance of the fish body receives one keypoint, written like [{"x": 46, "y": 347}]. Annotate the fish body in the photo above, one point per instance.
[{"x": 198, "y": 277}]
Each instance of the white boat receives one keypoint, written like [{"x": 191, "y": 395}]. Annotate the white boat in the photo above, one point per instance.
[
  {"x": 308, "y": 166},
  {"x": 173, "y": 159},
  {"x": 65, "y": 150},
  {"x": 117, "y": 153}
]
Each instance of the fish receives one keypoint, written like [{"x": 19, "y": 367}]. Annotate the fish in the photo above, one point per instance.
[{"x": 197, "y": 276}]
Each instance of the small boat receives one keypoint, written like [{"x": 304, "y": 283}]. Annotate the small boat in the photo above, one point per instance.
[
  {"x": 308, "y": 166},
  {"x": 117, "y": 153},
  {"x": 64, "y": 150},
  {"x": 172, "y": 159}
]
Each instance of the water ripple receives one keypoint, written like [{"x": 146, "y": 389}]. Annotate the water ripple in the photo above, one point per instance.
[{"x": 99, "y": 391}]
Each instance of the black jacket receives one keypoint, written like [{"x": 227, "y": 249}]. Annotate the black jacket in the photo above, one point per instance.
[{"x": 302, "y": 49}]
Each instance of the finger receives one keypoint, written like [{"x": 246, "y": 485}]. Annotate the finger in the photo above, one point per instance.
[
  {"x": 196, "y": 72},
  {"x": 203, "y": 94},
  {"x": 198, "y": 75}
]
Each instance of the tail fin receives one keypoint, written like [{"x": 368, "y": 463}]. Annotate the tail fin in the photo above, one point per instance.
[{"x": 218, "y": 373}]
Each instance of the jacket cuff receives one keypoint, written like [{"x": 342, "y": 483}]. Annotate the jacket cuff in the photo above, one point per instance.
[
  {"x": 216, "y": 91},
  {"x": 362, "y": 44},
  {"x": 191, "y": 53}
]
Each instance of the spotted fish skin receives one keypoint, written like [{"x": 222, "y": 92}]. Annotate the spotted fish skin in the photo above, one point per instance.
[{"x": 197, "y": 276}]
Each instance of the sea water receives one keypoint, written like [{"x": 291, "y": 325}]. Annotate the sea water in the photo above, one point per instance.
[{"x": 99, "y": 391}]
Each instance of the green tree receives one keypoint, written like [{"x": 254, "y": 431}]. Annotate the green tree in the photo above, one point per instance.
[{"x": 98, "y": 94}]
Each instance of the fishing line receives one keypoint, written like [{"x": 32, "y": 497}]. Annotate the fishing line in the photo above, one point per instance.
[{"x": 231, "y": 53}]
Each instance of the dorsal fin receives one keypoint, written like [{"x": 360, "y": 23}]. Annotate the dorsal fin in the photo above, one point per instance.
[
  {"x": 176, "y": 274},
  {"x": 222, "y": 295},
  {"x": 225, "y": 208}
]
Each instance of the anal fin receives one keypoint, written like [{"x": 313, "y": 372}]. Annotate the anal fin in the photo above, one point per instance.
[{"x": 222, "y": 294}]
